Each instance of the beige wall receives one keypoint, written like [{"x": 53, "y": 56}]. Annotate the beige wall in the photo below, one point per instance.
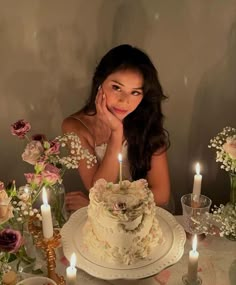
[{"x": 48, "y": 50}]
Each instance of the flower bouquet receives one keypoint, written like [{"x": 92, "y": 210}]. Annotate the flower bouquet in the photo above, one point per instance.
[
  {"x": 50, "y": 159},
  {"x": 225, "y": 145},
  {"x": 15, "y": 211}
]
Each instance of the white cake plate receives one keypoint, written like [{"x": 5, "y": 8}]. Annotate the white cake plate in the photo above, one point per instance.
[{"x": 168, "y": 253}]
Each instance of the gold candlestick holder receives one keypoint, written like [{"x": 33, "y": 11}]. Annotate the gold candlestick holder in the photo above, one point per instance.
[{"x": 48, "y": 246}]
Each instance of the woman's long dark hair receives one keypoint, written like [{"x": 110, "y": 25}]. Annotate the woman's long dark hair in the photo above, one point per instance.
[{"x": 143, "y": 128}]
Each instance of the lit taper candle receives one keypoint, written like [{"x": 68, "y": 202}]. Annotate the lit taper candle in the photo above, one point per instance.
[
  {"x": 71, "y": 271},
  {"x": 193, "y": 261},
  {"x": 120, "y": 162},
  {"x": 46, "y": 217},
  {"x": 197, "y": 184}
]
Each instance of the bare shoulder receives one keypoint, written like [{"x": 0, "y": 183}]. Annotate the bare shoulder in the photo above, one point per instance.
[{"x": 77, "y": 123}]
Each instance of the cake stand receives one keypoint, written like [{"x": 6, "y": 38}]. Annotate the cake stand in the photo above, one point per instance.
[{"x": 168, "y": 253}]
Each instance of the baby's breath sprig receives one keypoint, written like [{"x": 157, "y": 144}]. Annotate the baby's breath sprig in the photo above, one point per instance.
[
  {"x": 75, "y": 152},
  {"x": 221, "y": 221},
  {"x": 225, "y": 217},
  {"x": 225, "y": 145}
]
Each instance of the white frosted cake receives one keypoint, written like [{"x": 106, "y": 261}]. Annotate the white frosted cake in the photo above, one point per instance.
[{"x": 122, "y": 227}]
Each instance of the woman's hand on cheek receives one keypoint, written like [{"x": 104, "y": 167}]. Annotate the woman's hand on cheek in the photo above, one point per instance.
[{"x": 105, "y": 115}]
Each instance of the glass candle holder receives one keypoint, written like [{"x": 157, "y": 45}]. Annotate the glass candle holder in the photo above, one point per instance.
[
  {"x": 186, "y": 281},
  {"x": 195, "y": 213}
]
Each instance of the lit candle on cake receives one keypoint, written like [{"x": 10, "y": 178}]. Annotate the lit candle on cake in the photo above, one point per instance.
[
  {"x": 197, "y": 184},
  {"x": 46, "y": 217},
  {"x": 71, "y": 271},
  {"x": 193, "y": 262},
  {"x": 120, "y": 162}
]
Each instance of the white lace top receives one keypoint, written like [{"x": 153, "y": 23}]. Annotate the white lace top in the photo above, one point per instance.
[{"x": 100, "y": 152}]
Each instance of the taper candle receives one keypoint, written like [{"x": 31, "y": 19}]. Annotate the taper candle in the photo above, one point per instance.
[
  {"x": 71, "y": 271},
  {"x": 193, "y": 261},
  {"x": 120, "y": 161},
  {"x": 46, "y": 216},
  {"x": 197, "y": 183}
]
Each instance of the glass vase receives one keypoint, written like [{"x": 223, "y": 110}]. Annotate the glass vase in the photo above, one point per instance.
[
  {"x": 230, "y": 210},
  {"x": 56, "y": 199},
  {"x": 57, "y": 202}
]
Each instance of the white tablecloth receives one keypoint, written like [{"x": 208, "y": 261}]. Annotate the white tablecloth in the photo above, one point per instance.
[{"x": 217, "y": 266}]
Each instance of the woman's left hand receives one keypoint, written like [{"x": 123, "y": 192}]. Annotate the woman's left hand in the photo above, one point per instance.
[
  {"x": 76, "y": 200},
  {"x": 104, "y": 114}
]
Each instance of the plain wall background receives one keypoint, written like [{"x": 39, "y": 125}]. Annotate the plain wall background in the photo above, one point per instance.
[{"x": 49, "y": 49}]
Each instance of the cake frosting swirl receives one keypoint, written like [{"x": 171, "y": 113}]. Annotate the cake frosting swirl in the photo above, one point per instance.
[{"x": 122, "y": 226}]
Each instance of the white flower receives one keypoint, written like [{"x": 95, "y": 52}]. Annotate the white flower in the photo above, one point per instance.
[
  {"x": 230, "y": 147},
  {"x": 225, "y": 145}
]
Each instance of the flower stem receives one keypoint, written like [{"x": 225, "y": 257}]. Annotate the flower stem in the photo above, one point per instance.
[{"x": 233, "y": 188}]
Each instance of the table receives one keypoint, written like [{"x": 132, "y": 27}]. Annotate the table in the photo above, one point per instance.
[{"x": 217, "y": 266}]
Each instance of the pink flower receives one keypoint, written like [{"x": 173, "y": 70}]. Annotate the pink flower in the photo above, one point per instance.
[
  {"x": 50, "y": 178},
  {"x": 33, "y": 178},
  {"x": 33, "y": 151},
  {"x": 53, "y": 169},
  {"x": 10, "y": 240},
  {"x": 53, "y": 149},
  {"x": 230, "y": 147},
  {"x": 5, "y": 207},
  {"x": 20, "y": 128}
]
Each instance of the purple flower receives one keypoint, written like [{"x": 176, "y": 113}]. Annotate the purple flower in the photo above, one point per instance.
[
  {"x": 20, "y": 128},
  {"x": 10, "y": 240}
]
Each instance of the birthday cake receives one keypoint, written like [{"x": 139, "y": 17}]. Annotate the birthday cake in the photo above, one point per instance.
[{"x": 122, "y": 227}]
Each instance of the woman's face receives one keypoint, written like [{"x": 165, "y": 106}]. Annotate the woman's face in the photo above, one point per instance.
[{"x": 124, "y": 92}]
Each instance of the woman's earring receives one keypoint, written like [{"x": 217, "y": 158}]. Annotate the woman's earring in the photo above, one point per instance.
[{"x": 99, "y": 87}]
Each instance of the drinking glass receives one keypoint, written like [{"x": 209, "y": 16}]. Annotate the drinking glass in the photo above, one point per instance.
[{"x": 195, "y": 213}]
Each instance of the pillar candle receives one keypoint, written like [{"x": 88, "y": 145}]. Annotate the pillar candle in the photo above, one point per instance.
[
  {"x": 46, "y": 217},
  {"x": 120, "y": 161},
  {"x": 193, "y": 261},
  {"x": 197, "y": 183},
  {"x": 71, "y": 271}
]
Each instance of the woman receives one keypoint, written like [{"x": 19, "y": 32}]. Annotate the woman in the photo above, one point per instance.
[{"x": 123, "y": 115}]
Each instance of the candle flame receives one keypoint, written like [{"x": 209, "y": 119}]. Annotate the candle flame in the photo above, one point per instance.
[
  {"x": 45, "y": 198},
  {"x": 73, "y": 260},
  {"x": 120, "y": 157},
  {"x": 194, "y": 244},
  {"x": 198, "y": 168}
]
